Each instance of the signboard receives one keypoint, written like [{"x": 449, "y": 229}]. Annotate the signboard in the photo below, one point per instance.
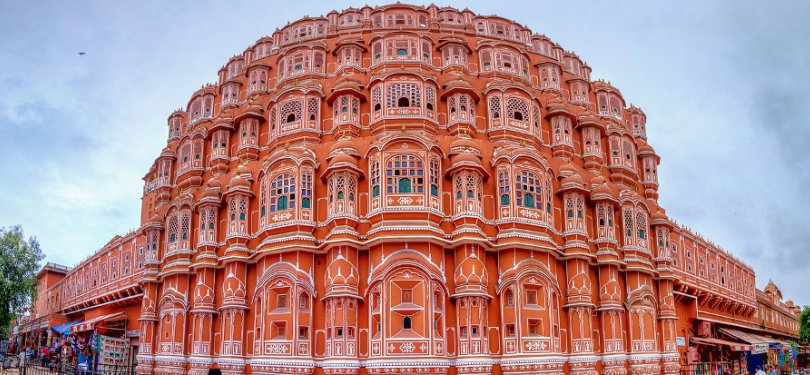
[
  {"x": 705, "y": 329},
  {"x": 760, "y": 348},
  {"x": 680, "y": 340},
  {"x": 133, "y": 333}
]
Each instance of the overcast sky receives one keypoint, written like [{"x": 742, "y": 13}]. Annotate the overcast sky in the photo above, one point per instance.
[{"x": 725, "y": 86}]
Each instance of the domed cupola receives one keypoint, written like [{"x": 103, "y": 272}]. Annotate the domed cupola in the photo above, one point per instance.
[
  {"x": 660, "y": 218},
  {"x": 212, "y": 191},
  {"x": 344, "y": 145},
  {"x": 466, "y": 160},
  {"x": 603, "y": 191},
  {"x": 342, "y": 278},
  {"x": 571, "y": 179},
  {"x": 252, "y": 110},
  {"x": 342, "y": 157},
  {"x": 773, "y": 290},
  {"x": 559, "y": 106},
  {"x": 154, "y": 222},
  {"x": 471, "y": 277}
]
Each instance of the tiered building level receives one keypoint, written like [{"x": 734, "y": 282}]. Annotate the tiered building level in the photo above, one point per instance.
[{"x": 403, "y": 189}]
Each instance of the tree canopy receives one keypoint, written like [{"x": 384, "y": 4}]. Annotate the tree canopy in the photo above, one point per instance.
[
  {"x": 804, "y": 325},
  {"x": 19, "y": 264}
]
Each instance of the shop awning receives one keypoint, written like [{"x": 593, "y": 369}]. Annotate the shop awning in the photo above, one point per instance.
[
  {"x": 750, "y": 338},
  {"x": 759, "y": 343},
  {"x": 64, "y": 329},
  {"x": 91, "y": 324},
  {"x": 735, "y": 346}
]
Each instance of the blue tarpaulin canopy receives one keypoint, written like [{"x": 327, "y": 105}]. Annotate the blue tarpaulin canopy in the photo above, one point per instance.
[{"x": 64, "y": 329}]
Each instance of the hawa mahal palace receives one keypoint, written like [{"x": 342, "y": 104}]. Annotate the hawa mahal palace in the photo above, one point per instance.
[{"x": 404, "y": 189}]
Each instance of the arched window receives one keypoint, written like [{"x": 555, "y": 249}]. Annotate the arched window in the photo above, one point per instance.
[
  {"x": 306, "y": 189},
  {"x": 185, "y": 224},
  {"x": 282, "y": 192},
  {"x": 406, "y": 323},
  {"x": 434, "y": 177},
  {"x": 504, "y": 187},
  {"x": 173, "y": 229},
  {"x": 495, "y": 107},
  {"x": 376, "y": 100},
  {"x": 313, "y": 109},
  {"x": 375, "y": 178},
  {"x": 641, "y": 227},
  {"x": 404, "y": 174},
  {"x": 529, "y": 190},
  {"x": 629, "y": 154},
  {"x": 430, "y": 97}
]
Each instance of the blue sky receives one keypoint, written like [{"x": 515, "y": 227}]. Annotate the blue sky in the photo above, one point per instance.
[{"x": 724, "y": 86}]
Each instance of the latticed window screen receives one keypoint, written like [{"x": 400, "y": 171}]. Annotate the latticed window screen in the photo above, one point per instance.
[
  {"x": 405, "y": 174},
  {"x": 434, "y": 177},
  {"x": 504, "y": 187},
  {"x": 495, "y": 106},
  {"x": 641, "y": 228},
  {"x": 529, "y": 190},
  {"x": 184, "y": 225},
  {"x": 291, "y": 110},
  {"x": 313, "y": 108},
  {"x": 517, "y": 109},
  {"x": 173, "y": 229},
  {"x": 403, "y": 95},
  {"x": 282, "y": 192},
  {"x": 306, "y": 189},
  {"x": 430, "y": 97}
]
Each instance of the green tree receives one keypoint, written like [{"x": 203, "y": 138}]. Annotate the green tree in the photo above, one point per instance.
[
  {"x": 804, "y": 325},
  {"x": 19, "y": 264}
]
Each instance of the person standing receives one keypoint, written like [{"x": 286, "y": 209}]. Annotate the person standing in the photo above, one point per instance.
[{"x": 45, "y": 353}]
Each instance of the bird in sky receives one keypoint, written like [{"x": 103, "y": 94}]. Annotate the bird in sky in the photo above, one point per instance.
[{"x": 81, "y": 53}]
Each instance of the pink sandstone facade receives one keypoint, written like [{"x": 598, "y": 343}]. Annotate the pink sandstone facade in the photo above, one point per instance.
[{"x": 404, "y": 189}]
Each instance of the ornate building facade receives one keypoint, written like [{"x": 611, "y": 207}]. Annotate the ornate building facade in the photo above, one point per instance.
[{"x": 405, "y": 189}]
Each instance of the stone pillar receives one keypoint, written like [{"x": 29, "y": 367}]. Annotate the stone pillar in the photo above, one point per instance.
[
  {"x": 579, "y": 305},
  {"x": 472, "y": 316},
  {"x": 202, "y": 315},
  {"x": 611, "y": 320},
  {"x": 148, "y": 319},
  {"x": 341, "y": 309},
  {"x": 232, "y": 319}
]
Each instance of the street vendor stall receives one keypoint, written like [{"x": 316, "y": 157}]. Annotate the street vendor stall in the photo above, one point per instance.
[{"x": 101, "y": 342}]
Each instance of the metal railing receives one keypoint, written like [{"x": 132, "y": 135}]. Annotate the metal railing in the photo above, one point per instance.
[
  {"x": 708, "y": 368},
  {"x": 11, "y": 365}
]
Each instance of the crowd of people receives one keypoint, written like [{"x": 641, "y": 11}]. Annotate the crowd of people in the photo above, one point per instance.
[{"x": 69, "y": 351}]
